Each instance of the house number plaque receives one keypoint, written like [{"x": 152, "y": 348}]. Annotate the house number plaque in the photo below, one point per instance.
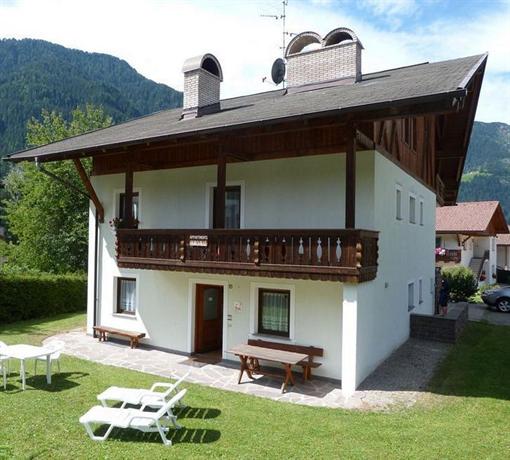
[{"x": 198, "y": 240}]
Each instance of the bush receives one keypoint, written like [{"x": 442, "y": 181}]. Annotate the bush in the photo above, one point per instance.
[
  {"x": 461, "y": 281},
  {"x": 27, "y": 296},
  {"x": 477, "y": 297}
]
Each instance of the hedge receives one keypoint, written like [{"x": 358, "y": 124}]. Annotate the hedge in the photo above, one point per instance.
[{"x": 35, "y": 296}]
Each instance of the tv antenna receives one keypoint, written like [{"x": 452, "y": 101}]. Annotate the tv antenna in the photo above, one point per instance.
[{"x": 278, "y": 68}]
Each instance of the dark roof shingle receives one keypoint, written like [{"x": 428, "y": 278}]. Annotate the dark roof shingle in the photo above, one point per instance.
[{"x": 386, "y": 87}]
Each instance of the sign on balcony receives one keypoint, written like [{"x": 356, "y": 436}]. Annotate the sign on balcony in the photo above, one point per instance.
[{"x": 198, "y": 241}]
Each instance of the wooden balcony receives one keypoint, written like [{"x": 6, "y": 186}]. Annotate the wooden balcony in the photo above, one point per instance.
[
  {"x": 332, "y": 255},
  {"x": 449, "y": 255}
]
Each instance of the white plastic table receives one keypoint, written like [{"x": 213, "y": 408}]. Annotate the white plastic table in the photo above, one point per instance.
[{"x": 24, "y": 352}]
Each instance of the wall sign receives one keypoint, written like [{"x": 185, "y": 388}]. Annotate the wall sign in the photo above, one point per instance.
[{"x": 198, "y": 240}]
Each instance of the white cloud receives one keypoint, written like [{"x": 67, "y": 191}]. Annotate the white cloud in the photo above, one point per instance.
[{"x": 156, "y": 37}]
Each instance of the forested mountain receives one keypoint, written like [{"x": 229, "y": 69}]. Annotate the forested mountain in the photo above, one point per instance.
[
  {"x": 487, "y": 170},
  {"x": 36, "y": 75}
]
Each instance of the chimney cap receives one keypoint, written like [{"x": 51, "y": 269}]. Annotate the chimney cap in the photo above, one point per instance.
[
  {"x": 334, "y": 37},
  {"x": 207, "y": 62}
]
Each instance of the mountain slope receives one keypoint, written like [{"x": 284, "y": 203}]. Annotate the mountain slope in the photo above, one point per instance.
[
  {"x": 36, "y": 75},
  {"x": 487, "y": 170}
]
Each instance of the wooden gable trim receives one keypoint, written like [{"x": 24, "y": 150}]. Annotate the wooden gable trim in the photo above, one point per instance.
[{"x": 90, "y": 189}]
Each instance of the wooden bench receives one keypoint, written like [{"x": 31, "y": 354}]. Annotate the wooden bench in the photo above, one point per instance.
[
  {"x": 306, "y": 364},
  {"x": 133, "y": 337}
]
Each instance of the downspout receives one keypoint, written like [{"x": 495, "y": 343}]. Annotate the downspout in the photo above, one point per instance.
[{"x": 96, "y": 233}]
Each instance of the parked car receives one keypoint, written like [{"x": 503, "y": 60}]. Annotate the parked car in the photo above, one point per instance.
[{"x": 499, "y": 298}]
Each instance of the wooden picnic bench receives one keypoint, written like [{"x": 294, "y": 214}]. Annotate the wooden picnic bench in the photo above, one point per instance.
[
  {"x": 249, "y": 355},
  {"x": 133, "y": 337},
  {"x": 307, "y": 364}
]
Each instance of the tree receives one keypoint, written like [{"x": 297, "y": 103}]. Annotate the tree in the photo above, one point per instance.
[{"x": 47, "y": 220}]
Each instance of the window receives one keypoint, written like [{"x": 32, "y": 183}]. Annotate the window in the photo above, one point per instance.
[
  {"x": 274, "y": 312},
  {"x": 420, "y": 291},
  {"x": 421, "y": 212},
  {"x": 136, "y": 205},
  {"x": 410, "y": 296},
  {"x": 126, "y": 295},
  {"x": 438, "y": 241},
  {"x": 412, "y": 209},
  {"x": 398, "y": 201},
  {"x": 232, "y": 206}
]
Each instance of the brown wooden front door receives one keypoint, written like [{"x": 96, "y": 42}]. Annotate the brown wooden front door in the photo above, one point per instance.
[{"x": 208, "y": 318}]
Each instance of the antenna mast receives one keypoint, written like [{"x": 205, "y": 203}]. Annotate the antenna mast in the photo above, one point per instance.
[{"x": 282, "y": 17}]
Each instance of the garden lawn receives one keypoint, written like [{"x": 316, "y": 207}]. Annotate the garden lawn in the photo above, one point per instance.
[{"x": 467, "y": 417}]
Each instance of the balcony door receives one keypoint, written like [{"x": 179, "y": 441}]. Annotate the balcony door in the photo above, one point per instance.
[
  {"x": 208, "y": 318},
  {"x": 232, "y": 206}
]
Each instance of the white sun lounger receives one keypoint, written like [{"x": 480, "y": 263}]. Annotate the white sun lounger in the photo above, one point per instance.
[
  {"x": 141, "y": 397},
  {"x": 148, "y": 422}
]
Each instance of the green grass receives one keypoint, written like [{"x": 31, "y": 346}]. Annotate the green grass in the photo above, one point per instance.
[{"x": 467, "y": 418}]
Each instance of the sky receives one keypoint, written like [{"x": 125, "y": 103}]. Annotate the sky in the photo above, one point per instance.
[{"x": 156, "y": 36}]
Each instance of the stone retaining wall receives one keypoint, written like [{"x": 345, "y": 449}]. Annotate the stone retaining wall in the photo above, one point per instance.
[{"x": 440, "y": 328}]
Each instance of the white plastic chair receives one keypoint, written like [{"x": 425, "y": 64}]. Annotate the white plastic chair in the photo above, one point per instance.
[
  {"x": 148, "y": 422},
  {"x": 141, "y": 396},
  {"x": 4, "y": 364},
  {"x": 57, "y": 346}
]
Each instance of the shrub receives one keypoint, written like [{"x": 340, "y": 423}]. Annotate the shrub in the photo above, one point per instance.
[
  {"x": 477, "y": 297},
  {"x": 26, "y": 296},
  {"x": 461, "y": 281}
]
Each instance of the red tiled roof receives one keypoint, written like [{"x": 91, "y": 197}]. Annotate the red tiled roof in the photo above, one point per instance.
[
  {"x": 504, "y": 239},
  {"x": 476, "y": 217}
]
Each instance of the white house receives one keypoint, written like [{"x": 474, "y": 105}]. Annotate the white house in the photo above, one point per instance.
[
  {"x": 303, "y": 215},
  {"x": 503, "y": 250},
  {"x": 466, "y": 234}
]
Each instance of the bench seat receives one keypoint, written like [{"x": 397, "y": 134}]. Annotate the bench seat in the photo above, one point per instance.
[
  {"x": 134, "y": 337},
  {"x": 307, "y": 364}
]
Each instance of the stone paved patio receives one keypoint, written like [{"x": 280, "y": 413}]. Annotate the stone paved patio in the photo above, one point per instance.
[{"x": 400, "y": 380}]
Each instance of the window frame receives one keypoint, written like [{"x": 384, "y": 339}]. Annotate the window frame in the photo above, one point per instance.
[
  {"x": 116, "y": 203},
  {"x": 421, "y": 210},
  {"x": 118, "y": 310},
  {"x": 398, "y": 203},
  {"x": 420, "y": 291},
  {"x": 209, "y": 202},
  {"x": 410, "y": 305},
  {"x": 120, "y": 210},
  {"x": 412, "y": 209},
  {"x": 260, "y": 329}
]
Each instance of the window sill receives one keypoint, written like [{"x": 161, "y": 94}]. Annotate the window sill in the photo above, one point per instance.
[
  {"x": 411, "y": 307},
  {"x": 274, "y": 338},
  {"x": 125, "y": 315}
]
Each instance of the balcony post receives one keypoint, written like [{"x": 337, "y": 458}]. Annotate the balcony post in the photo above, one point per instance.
[
  {"x": 128, "y": 199},
  {"x": 219, "y": 202},
  {"x": 350, "y": 177}
]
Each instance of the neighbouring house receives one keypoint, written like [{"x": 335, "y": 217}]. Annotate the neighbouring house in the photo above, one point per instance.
[
  {"x": 303, "y": 215},
  {"x": 466, "y": 234},
  {"x": 503, "y": 250}
]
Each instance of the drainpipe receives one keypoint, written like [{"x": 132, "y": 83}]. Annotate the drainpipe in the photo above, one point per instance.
[{"x": 71, "y": 186}]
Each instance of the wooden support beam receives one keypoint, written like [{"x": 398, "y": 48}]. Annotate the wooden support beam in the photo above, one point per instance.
[
  {"x": 350, "y": 178},
  {"x": 219, "y": 201},
  {"x": 128, "y": 199},
  {"x": 90, "y": 189}
]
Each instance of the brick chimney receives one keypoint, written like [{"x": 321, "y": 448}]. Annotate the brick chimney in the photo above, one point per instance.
[
  {"x": 202, "y": 79},
  {"x": 334, "y": 59}
]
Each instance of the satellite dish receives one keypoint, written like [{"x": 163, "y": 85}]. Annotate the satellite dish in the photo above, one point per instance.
[{"x": 278, "y": 71}]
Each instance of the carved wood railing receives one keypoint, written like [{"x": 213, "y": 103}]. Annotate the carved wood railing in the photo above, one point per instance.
[
  {"x": 340, "y": 255},
  {"x": 448, "y": 255}
]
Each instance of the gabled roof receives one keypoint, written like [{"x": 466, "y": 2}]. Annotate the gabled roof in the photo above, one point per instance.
[
  {"x": 504, "y": 238},
  {"x": 427, "y": 82},
  {"x": 472, "y": 218}
]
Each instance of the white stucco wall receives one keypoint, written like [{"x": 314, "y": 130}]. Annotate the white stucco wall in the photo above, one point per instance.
[
  {"x": 406, "y": 254},
  {"x": 306, "y": 192}
]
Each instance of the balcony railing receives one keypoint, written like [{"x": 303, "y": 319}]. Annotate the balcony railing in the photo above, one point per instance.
[
  {"x": 448, "y": 255},
  {"x": 335, "y": 255}
]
